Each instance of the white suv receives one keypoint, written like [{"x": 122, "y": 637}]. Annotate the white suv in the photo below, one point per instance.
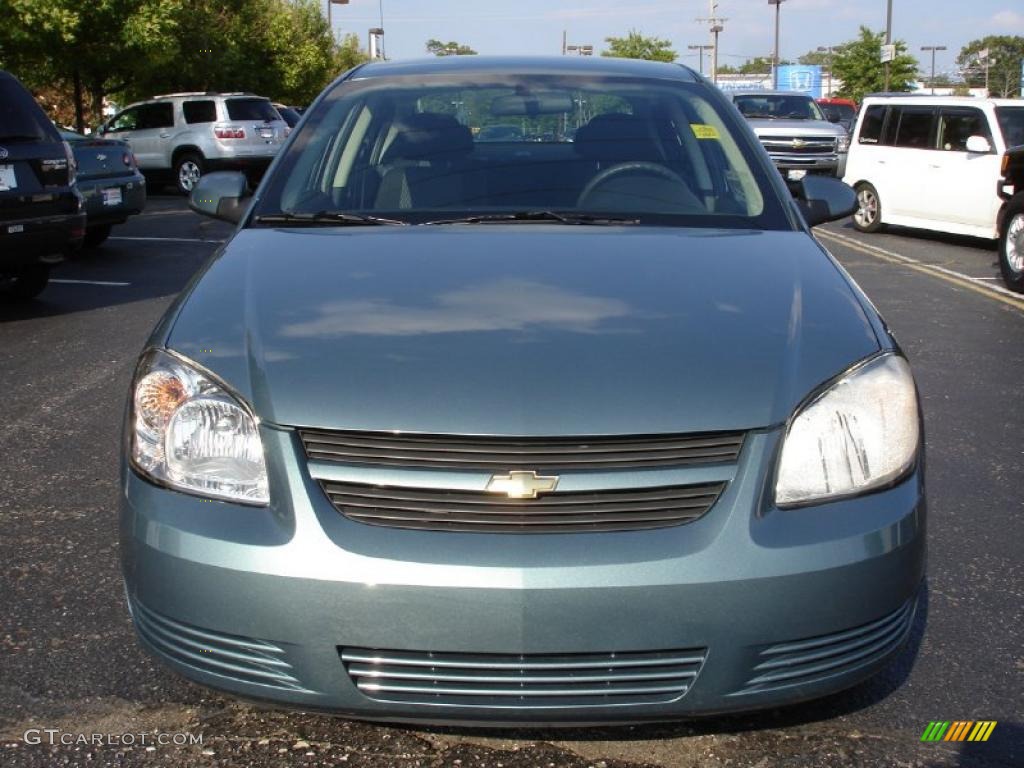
[
  {"x": 184, "y": 135},
  {"x": 932, "y": 162}
]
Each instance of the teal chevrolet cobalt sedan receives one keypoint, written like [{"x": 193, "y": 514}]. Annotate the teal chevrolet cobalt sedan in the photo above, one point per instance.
[{"x": 580, "y": 426}]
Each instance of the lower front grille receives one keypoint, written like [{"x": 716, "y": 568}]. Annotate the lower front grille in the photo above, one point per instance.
[
  {"x": 443, "y": 510},
  {"x": 523, "y": 681},
  {"x": 806, "y": 661},
  {"x": 243, "y": 659}
]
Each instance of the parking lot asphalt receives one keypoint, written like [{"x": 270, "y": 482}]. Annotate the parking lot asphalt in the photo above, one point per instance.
[{"x": 68, "y": 656}]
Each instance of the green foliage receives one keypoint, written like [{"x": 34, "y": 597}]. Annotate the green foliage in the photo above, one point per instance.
[
  {"x": 1005, "y": 54},
  {"x": 133, "y": 49},
  {"x": 816, "y": 58},
  {"x": 637, "y": 46},
  {"x": 451, "y": 48},
  {"x": 858, "y": 64}
]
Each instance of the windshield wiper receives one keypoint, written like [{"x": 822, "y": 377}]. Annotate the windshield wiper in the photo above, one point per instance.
[
  {"x": 540, "y": 216},
  {"x": 328, "y": 218}
]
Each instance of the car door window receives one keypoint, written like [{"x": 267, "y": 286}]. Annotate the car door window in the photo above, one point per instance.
[
  {"x": 871, "y": 125},
  {"x": 155, "y": 116},
  {"x": 914, "y": 129},
  {"x": 126, "y": 121},
  {"x": 956, "y": 126},
  {"x": 199, "y": 111}
]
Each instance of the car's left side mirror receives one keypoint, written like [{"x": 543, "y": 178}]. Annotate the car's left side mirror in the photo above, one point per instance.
[
  {"x": 823, "y": 198},
  {"x": 978, "y": 145},
  {"x": 223, "y": 195}
]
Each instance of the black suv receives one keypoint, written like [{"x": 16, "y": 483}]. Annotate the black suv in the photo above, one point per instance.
[{"x": 41, "y": 213}]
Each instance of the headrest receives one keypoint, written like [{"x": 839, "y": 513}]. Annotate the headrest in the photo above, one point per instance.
[
  {"x": 616, "y": 136},
  {"x": 430, "y": 136}
]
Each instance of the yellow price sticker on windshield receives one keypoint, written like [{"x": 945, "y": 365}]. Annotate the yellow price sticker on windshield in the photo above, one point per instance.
[{"x": 702, "y": 131}]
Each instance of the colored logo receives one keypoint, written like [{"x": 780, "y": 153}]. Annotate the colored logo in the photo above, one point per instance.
[
  {"x": 959, "y": 730},
  {"x": 521, "y": 485}
]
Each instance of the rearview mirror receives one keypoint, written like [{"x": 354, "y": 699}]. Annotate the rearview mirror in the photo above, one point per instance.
[
  {"x": 532, "y": 104},
  {"x": 224, "y": 195},
  {"x": 823, "y": 198},
  {"x": 978, "y": 145}
]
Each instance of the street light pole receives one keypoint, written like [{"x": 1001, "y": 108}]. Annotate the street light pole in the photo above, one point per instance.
[
  {"x": 775, "y": 53},
  {"x": 888, "y": 40},
  {"x": 330, "y": 21},
  {"x": 933, "y": 49}
]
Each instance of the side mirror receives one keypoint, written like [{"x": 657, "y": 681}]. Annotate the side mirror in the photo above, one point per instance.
[
  {"x": 978, "y": 145},
  {"x": 823, "y": 198},
  {"x": 223, "y": 195}
]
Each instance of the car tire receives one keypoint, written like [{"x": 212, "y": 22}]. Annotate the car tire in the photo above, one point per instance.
[
  {"x": 868, "y": 216},
  {"x": 25, "y": 284},
  {"x": 96, "y": 236},
  {"x": 188, "y": 169},
  {"x": 1011, "y": 244}
]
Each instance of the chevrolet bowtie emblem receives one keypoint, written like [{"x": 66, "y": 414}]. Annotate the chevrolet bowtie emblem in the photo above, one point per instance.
[
  {"x": 798, "y": 143},
  {"x": 521, "y": 485}
]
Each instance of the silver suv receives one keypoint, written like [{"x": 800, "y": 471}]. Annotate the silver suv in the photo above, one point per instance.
[
  {"x": 795, "y": 132},
  {"x": 181, "y": 136}
]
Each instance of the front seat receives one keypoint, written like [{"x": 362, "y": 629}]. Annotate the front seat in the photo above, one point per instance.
[{"x": 426, "y": 165}]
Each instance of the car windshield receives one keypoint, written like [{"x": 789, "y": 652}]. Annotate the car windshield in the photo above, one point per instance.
[
  {"x": 779, "y": 107},
  {"x": 1011, "y": 123},
  {"x": 442, "y": 148},
  {"x": 839, "y": 111}
]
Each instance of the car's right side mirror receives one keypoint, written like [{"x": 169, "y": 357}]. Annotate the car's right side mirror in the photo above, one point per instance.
[
  {"x": 823, "y": 198},
  {"x": 978, "y": 145},
  {"x": 223, "y": 195}
]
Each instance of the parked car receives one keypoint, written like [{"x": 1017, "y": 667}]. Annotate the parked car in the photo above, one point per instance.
[
  {"x": 289, "y": 114},
  {"x": 795, "y": 132},
  {"x": 500, "y": 133},
  {"x": 1011, "y": 217},
  {"x": 425, "y": 442},
  {"x": 41, "y": 217},
  {"x": 110, "y": 182},
  {"x": 840, "y": 111},
  {"x": 932, "y": 162},
  {"x": 181, "y": 136}
]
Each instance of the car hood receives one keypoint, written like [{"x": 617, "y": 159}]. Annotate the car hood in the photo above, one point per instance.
[
  {"x": 795, "y": 127},
  {"x": 523, "y": 330}
]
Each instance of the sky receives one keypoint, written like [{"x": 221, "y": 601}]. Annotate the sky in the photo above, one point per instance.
[{"x": 534, "y": 27}]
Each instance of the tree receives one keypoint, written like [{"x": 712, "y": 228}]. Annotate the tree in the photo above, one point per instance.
[
  {"x": 1005, "y": 54},
  {"x": 450, "y": 48},
  {"x": 859, "y": 65},
  {"x": 637, "y": 46},
  {"x": 817, "y": 58}
]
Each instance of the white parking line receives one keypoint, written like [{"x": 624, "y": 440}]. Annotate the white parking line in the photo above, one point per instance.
[
  {"x": 976, "y": 284},
  {"x": 91, "y": 282},
  {"x": 169, "y": 239}
]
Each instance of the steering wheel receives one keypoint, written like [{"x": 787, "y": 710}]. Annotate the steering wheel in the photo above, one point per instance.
[{"x": 637, "y": 167}]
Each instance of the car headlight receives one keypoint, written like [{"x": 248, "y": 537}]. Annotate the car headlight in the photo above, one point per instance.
[
  {"x": 191, "y": 434},
  {"x": 861, "y": 433},
  {"x": 843, "y": 143}
]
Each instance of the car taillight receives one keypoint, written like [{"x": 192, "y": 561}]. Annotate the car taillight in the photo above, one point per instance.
[
  {"x": 72, "y": 165},
  {"x": 229, "y": 132},
  {"x": 128, "y": 159},
  {"x": 1005, "y": 164}
]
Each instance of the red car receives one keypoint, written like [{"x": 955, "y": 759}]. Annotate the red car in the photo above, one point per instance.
[{"x": 842, "y": 111}]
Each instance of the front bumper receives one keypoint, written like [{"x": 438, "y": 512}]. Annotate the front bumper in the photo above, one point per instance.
[
  {"x": 830, "y": 165},
  {"x": 261, "y": 602}
]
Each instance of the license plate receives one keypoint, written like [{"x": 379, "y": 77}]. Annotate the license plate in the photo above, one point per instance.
[
  {"x": 796, "y": 175},
  {"x": 7, "y": 178},
  {"x": 112, "y": 196},
  {"x": 266, "y": 133},
  {"x": 15, "y": 229}
]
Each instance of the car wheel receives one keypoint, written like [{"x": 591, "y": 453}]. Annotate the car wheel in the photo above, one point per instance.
[
  {"x": 187, "y": 171},
  {"x": 25, "y": 284},
  {"x": 868, "y": 216},
  {"x": 95, "y": 236},
  {"x": 1011, "y": 244}
]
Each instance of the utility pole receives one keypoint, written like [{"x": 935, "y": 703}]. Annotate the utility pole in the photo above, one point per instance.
[
  {"x": 933, "y": 49},
  {"x": 563, "y": 41},
  {"x": 888, "y": 40},
  {"x": 716, "y": 28},
  {"x": 700, "y": 54},
  {"x": 775, "y": 52}
]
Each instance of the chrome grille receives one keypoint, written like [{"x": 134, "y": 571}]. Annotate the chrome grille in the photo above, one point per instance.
[
  {"x": 243, "y": 659},
  {"x": 520, "y": 681},
  {"x": 443, "y": 510},
  {"x": 511, "y": 453},
  {"x": 804, "y": 661},
  {"x": 805, "y": 145}
]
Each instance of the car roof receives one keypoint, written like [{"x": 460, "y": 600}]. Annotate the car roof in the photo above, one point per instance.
[
  {"x": 533, "y": 65},
  {"x": 926, "y": 99}
]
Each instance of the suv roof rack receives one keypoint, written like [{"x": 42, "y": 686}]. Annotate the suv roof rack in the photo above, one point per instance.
[{"x": 201, "y": 93}]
